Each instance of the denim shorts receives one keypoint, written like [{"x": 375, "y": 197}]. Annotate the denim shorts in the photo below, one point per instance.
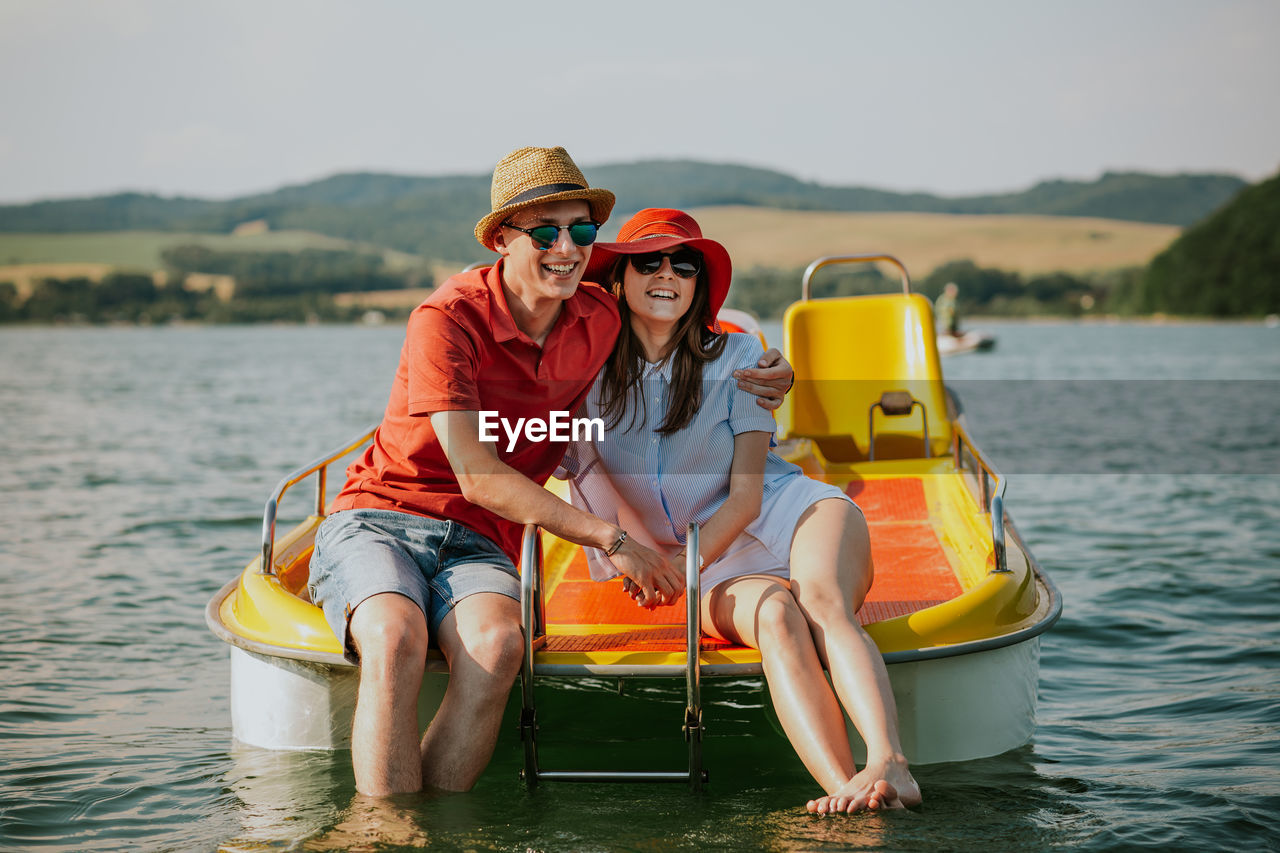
[{"x": 360, "y": 553}]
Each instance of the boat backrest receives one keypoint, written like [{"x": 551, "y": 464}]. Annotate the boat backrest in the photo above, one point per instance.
[{"x": 847, "y": 353}]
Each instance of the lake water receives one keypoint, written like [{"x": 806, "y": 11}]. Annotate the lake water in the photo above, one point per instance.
[{"x": 1144, "y": 467}]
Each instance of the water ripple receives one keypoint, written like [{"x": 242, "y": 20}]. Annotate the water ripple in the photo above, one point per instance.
[{"x": 1159, "y": 717}]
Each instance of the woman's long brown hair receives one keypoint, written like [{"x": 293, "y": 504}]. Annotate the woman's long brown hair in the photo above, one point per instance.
[{"x": 692, "y": 346}]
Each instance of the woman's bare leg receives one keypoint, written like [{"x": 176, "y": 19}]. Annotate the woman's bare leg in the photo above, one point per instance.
[
  {"x": 760, "y": 612},
  {"x": 831, "y": 573}
]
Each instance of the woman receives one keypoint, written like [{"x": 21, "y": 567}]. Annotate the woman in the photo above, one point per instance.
[{"x": 786, "y": 559}]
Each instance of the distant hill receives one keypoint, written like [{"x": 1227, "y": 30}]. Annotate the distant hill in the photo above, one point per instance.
[
  {"x": 1131, "y": 196},
  {"x": 433, "y": 216},
  {"x": 120, "y": 212},
  {"x": 1227, "y": 265}
]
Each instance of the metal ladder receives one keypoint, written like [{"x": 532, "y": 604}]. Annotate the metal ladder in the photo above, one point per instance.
[{"x": 532, "y": 613}]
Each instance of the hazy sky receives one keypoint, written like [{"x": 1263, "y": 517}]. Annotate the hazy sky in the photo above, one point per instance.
[{"x": 234, "y": 96}]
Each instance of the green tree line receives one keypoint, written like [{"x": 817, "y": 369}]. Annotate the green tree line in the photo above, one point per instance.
[
  {"x": 135, "y": 298},
  {"x": 292, "y": 273},
  {"x": 269, "y": 286},
  {"x": 120, "y": 297},
  {"x": 766, "y": 292}
]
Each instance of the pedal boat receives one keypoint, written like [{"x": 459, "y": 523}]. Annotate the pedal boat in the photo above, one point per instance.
[
  {"x": 957, "y": 606},
  {"x": 970, "y": 341}
]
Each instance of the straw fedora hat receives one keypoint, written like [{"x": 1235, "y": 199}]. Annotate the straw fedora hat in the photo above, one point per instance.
[
  {"x": 529, "y": 176},
  {"x": 657, "y": 229}
]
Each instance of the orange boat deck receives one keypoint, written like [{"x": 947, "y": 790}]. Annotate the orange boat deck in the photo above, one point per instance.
[{"x": 912, "y": 573}]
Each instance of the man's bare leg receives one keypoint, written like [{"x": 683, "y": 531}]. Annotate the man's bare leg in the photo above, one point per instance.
[
  {"x": 760, "y": 612},
  {"x": 483, "y": 643},
  {"x": 831, "y": 573},
  {"x": 390, "y": 633}
]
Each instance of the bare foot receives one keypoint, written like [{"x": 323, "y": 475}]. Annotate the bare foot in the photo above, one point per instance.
[
  {"x": 881, "y": 785},
  {"x": 373, "y": 823}
]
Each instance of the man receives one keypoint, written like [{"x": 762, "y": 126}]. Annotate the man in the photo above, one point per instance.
[
  {"x": 946, "y": 317},
  {"x": 422, "y": 540}
]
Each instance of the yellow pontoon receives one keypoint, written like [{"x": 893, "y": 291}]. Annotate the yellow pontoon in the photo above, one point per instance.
[{"x": 957, "y": 606}]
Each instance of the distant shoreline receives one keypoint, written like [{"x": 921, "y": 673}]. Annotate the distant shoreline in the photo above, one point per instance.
[
  {"x": 971, "y": 323},
  {"x": 1117, "y": 319}
]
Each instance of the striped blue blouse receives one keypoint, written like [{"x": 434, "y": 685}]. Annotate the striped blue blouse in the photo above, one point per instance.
[{"x": 656, "y": 484}]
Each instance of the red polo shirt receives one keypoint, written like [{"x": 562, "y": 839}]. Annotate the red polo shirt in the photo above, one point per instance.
[{"x": 462, "y": 351}]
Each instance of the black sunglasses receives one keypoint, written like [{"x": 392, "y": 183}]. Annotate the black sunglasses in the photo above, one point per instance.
[
  {"x": 545, "y": 236},
  {"x": 685, "y": 263}
]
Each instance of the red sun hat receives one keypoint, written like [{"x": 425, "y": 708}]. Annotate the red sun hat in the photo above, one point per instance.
[{"x": 656, "y": 229}]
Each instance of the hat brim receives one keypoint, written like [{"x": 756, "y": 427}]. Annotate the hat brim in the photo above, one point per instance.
[
  {"x": 717, "y": 264},
  {"x": 600, "y": 200}
]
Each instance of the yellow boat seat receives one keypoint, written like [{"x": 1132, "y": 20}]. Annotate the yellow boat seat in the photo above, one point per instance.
[{"x": 848, "y": 354}]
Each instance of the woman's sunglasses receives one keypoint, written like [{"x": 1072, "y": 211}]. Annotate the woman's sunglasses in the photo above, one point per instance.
[
  {"x": 545, "y": 236},
  {"x": 685, "y": 263}
]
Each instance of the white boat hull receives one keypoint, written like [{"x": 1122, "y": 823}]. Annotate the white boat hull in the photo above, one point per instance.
[
  {"x": 964, "y": 707},
  {"x": 281, "y": 703},
  {"x": 950, "y": 708}
]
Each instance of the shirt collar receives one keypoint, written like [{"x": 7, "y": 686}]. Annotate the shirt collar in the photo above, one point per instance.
[
  {"x": 500, "y": 319},
  {"x": 661, "y": 370}
]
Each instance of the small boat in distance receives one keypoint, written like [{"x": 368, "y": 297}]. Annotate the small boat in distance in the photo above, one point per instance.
[
  {"x": 970, "y": 341},
  {"x": 957, "y": 607}
]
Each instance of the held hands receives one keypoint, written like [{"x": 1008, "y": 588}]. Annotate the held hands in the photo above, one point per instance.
[
  {"x": 651, "y": 601},
  {"x": 769, "y": 380},
  {"x": 649, "y": 578}
]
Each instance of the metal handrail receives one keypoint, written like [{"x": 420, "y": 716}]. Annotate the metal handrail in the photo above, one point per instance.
[
  {"x": 853, "y": 259},
  {"x": 530, "y": 569},
  {"x": 871, "y": 423},
  {"x": 991, "y": 486},
  {"x": 693, "y": 648},
  {"x": 292, "y": 479}
]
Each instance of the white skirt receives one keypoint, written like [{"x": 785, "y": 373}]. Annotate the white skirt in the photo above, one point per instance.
[{"x": 764, "y": 547}]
